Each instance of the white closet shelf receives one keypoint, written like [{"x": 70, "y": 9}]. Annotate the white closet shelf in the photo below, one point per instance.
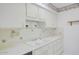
[{"x": 73, "y": 22}]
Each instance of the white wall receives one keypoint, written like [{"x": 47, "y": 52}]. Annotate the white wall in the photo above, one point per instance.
[
  {"x": 12, "y": 14},
  {"x": 71, "y": 38}
]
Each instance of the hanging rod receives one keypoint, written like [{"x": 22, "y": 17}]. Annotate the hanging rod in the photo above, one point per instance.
[{"x": 72, "y": 22}]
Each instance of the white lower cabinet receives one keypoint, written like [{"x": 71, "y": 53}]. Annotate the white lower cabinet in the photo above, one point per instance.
[
  {"x": 53, "y": 48},
  {"x": 59, "y": 47},
  {"x": 41, "y": 51},
  {"x": 45, "y": 50}
]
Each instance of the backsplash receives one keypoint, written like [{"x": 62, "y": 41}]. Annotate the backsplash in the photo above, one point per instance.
[
  {"x": 48, "y": 32},
  {"x": 32, "y": 30},
  {"x": 9, "y": 37}
]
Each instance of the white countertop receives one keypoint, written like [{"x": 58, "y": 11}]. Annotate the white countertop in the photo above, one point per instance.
[{"x": 24, "y": 47}]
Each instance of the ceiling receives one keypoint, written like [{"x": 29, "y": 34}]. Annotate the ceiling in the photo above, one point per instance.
[{"x": 60, "y": 5}]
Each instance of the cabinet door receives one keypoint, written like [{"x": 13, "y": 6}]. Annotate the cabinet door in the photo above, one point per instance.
[
  {"x": 59, "y": 46},
  {"x": 46, "y": 50},
  {"x": 32, "y": 10},
  {"x": 41, "y": 51},
  {"x": 51, "y": 50},
  {"x": 48, "y": 17},
  {"x": 51, "y": 19},
  {"x": 42, "y": 13}
]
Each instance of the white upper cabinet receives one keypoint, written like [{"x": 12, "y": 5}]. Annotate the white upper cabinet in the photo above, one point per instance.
[
  {"x": 51, "y": 21},
  {"x": 12, "y": 15},
  {"x": 42, "y": 13},
  {"x": 48, "y": 17},
  {"x": 32, "y": 10}
]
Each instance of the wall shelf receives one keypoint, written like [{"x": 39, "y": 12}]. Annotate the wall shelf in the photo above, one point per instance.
[{"x": 73, "y": 22}]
